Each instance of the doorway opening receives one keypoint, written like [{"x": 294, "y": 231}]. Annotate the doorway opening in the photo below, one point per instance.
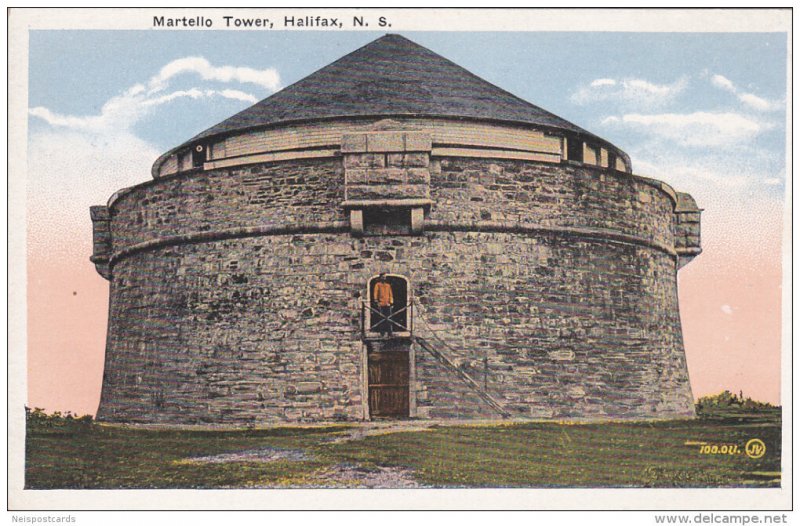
[
  {"x": 399, "y": 318},
  {"x": 388, "y": 381}
]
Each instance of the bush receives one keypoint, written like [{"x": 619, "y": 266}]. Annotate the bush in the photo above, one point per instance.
[
  {"x": 38, "y": 419},
  {"x": 726, "y": 399}
]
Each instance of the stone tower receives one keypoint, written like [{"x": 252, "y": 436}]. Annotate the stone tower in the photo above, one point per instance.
[{"x": 534, "y": 276}]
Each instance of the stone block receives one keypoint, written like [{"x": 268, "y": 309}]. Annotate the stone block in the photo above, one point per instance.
[
  {"x": 417, "y": 142},
  {"x": 355, "y": 143},
  {"x": 387, "y": 176},
  {"x": 418, "y": 176},
  {"x": 416, "y": 160},
  {"x": 691, "y": 217},
  {"x": 352, "y": 161},
  {"x": 576, "y": 391},
  {"x": 99, "y": 213},
  {"x": 308, "y": 387},
  {"x": 357, "y": 222},
  {"x": 395, "y": 160},
  {"x": 356, "y": 176},
  {"x": 365, "y": 160},
  {"x": 327, "y": 359},
  {"x": 562, "y": 355},
  {"x": 385, "y": 142},
  {"x": 417, "y": 221}
]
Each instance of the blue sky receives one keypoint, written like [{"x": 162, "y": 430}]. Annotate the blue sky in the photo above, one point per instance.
[{"x": 539, "y": 67}]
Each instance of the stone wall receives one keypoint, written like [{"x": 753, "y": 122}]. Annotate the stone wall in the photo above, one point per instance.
[
  {"x": 462, "y": 190},
  {"x": 550, "y": 195},
  {"x": 274, "y": 193},
  {"x": 265, "y": 328},
  {"x": 252, "y": 330}
]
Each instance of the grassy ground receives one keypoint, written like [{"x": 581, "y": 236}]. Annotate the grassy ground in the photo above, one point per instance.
[{"x": 655, "y": 454}]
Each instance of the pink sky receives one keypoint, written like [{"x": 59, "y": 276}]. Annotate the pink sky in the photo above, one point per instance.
[{"x": 730, "y": 307}]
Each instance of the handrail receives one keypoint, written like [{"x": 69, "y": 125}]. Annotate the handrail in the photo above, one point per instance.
[
  {"x": 497, "y": 406},
  {"x": 489, "y": 399},
  {"x": 366, "y": 307}
]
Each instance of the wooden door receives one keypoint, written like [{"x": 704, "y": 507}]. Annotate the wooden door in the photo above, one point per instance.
[{"x": 388, "y": 383}]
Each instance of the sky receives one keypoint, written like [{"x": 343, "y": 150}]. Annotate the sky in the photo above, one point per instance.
[{"x": 704, "y": 112}]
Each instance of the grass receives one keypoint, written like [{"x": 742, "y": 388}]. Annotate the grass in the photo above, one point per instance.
[{"x": 546, "y": 454}]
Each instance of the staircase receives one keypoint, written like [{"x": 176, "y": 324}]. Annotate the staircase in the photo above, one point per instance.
[{"x": 467, "y": 379}]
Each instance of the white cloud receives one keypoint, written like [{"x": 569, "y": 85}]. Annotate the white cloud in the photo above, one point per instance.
[
  {"x": 757, "y": 103},
  {"x": 68, "y": 171},
  {"x": 723, "y": 83},
  {"x": 630, "y": 91},
  {"x": 727, "y": 309},
  {"x": 695, "y": 175},
  {"x": 750, "y": 100},
  {"x": 266, "y": 78},
  {"x": 235, "y": 94},
  {"x": 81, "y": 160},
  {"x": 125, "y": 110},
  {"x": 698, "y": 129},
  {"x": 603, "y": 82}
]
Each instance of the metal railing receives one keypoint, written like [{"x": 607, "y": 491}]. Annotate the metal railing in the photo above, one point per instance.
[{"x": 370, "y": 312}]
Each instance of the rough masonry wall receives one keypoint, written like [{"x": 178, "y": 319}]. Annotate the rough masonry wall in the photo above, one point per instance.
[
  {"x": 567, "y": 328},
  {"x": 277, "y": 193},
  {"x": 237, "y": 331},
  {"x": 266, "y": 329},
  {"x": 462, "y": 190},
  {"x": 551, "y": 195}
]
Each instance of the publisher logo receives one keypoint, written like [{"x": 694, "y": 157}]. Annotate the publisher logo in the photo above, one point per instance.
[{"x": 755, "y": 448}]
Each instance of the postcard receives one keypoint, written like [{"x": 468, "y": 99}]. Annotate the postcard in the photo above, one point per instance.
[{"x": 400, "y": 259}]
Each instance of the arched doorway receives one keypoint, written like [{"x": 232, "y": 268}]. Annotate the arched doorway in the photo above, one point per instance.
[{"x": 399, "y": 317}]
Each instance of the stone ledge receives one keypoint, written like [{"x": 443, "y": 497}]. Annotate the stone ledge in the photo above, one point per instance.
[
  {"x": 335, "y": 227},
  {"x": 385, "y": 203}
]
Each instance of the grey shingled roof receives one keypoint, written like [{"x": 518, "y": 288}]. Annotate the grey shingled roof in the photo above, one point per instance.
[{"x": 391, "y": 76}]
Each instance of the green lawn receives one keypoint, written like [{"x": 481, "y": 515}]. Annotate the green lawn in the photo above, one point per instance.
[{"x": 642, "y": 454}]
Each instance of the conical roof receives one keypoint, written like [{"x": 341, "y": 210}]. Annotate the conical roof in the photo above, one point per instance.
[{"x": 391, "y": 76}]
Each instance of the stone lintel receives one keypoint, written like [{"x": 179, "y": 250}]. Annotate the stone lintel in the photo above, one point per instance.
[
  {"x": 386, "y": 203},
  {"x": 387, "y": 192}
]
